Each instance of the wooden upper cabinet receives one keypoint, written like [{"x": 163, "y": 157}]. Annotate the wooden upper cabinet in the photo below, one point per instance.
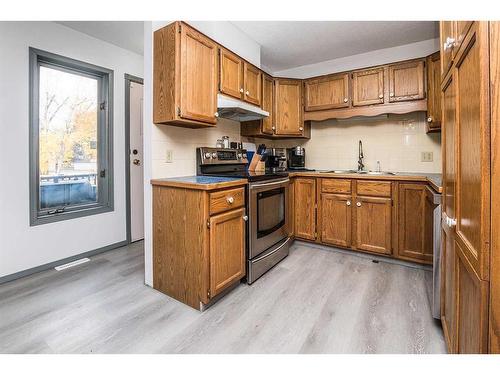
[
  {"x": 198, "y": 77},
  {"x": 415, "y": 219},
  {"x": 335, "y": 218},
  {"x": 252, "y": 78},
  {"x": 227, "y": 250},
  {"x": 327, "y": 92},
  {"x": 231, "y": 74},
  {"x": 185, "y": 77},
  {"x": 433, "y": 93},
  {"x": 447, "y": 39},
  {"x": 305, "y": 208},
  {"x": 368, "y": 87},
  {"x": 267, "y": 104},
  {"x": 374, "y": 224},
  {"x": 471, "y": 75},
  {"x": 407, "y": 81},
  {"x": 288, "y": 107}
]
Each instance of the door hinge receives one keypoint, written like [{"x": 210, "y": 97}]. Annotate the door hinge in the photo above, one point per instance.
[
  {"x": 102, "y": 106},
  {"x": 178, "y": 111},
  {"x": 208, "y": 223},
  {"x": 102, "y": 173}
]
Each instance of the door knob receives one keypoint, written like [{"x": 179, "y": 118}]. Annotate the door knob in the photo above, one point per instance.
[
  {"x": 216, "y": 114},
  {"x": 358, "y": 204},
  {"x": 345, "y": 100},
  {"x": 241, "y": 90},
  {"x": 381, "y": 96},
  {"x": 348, "y": 203},
  {"x": 136, "y": 162},
  {"x": 230, "y": 200},
  {"x": 247, "y": 93},
  {"x": 301, "y": 128},
  {"x": 429, "y": 119},
  {"x": 245, "y": 218}
]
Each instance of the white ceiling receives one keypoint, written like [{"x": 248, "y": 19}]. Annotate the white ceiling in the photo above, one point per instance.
[
  {"x": 289, "y": 44},
  {"x": 125, "y": 34}
]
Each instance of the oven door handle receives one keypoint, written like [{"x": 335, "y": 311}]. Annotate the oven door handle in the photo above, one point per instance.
[
  {"x": 254, "y": 186},
  {"x": 272, "y": 252}
]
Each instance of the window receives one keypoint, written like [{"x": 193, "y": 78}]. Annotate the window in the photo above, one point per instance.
[{"x": 70, "y": 138}]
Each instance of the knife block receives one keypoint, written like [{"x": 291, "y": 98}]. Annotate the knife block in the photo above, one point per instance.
[{"x": 256, "y": 165}]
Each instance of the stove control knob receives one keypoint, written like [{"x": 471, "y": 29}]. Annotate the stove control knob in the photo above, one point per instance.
[
  {"x": 240, "y": 156},
  {"x": 208, "y": 155},
  {"x": 214, "y": 155},
  {"x": 244, "y": 156}
]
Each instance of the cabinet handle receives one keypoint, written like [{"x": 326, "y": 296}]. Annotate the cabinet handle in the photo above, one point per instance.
[
  {"x": 358, "y": 204},
  {"x": 216, "y": 114},
  {"x": 230, "y": 200},
  {"x": 247, "y": 93},
  {"x": 348, "y": 203},
  {"x": 241, "y": 90},
  {"x": 345, "y": 100},
  {"x": 245, "y": 217},
  {"x": 449, "y": 43},
  {"x": 429, "y": 119},
  {"x": 301, "y": 128}
]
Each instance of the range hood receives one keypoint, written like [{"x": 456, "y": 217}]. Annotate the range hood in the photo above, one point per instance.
[{"x": 238, "y": 110}]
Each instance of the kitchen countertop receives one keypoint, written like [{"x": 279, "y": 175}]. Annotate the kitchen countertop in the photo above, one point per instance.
[
  {"x": 200, "y": 182},
  {"x": 434, "y": 179}
]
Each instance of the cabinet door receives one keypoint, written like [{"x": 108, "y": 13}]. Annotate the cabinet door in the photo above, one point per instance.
[
  {"x": 374, "y": 224},
  {"x": 288, "y": 107},
  {"x": 406, "y": 81},
  {"x": 447, "y": 35},
  {"x": 448, "y": 290},
  {"x": 335, "y": 219},
  {"x": 472, "y": 306},
  {"x": 433, "y": 93},
  {"x": 473, "y": 144},
  {"x": 252, "y": 79},
  {"x": 415, "y": 222},
  {"x": 305, "y": 208},
  {"x": 267, "y": 104},
  {"x": 327, "y": 92},
  {"x": 227, "y": 250},
  {"x": 448, "y": 146},
  {"x": 198, "y": 77},
  {"x": 368, "y": 87},
  {"x": 231, "y": 74}
]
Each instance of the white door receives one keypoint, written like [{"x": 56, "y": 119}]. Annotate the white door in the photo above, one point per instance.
[{"x": 136, "y": 162}]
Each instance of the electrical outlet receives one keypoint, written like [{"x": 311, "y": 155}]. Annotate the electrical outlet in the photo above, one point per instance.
[
  {"x": 169, "y": 156},
  {"x": 427, "y": 156}
]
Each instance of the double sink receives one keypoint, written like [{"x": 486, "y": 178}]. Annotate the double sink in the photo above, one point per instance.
[{"x": 351, "y": 171}]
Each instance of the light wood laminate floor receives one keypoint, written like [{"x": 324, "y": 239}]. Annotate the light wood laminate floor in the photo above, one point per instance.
[{"x": 316, "y": 301}]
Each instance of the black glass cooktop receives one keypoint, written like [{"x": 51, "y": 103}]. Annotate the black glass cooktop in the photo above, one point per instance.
[{"x": 251, "y": 176}]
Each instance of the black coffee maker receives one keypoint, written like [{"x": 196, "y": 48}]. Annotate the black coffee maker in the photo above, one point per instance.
[{"x": 296, "y": 158}]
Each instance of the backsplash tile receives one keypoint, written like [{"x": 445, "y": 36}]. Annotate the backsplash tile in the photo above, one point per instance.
[{"x": 397, "y": 141}]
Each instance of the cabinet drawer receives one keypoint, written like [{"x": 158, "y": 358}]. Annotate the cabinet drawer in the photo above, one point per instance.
[
  {"x": 335, "y": 185},
  {"x": 374, "y": 188},
  {"x": 224, "y": 200}
]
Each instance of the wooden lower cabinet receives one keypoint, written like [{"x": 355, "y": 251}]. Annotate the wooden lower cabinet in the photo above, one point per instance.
[
  {"x": 472, "y": 308},
  {"x": 305, "y": 208},
  {"x": 196, "y": 255},
  {"x": 227, "y": 249},
  {"x": 374, "y": 224},
  {"x": 335, "y": 218},
  {"x": 415, "y": 219},
  {"x": 448, "y": 290}
]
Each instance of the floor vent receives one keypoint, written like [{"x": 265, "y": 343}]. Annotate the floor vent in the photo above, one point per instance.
[{"x": 72, "y": 264}]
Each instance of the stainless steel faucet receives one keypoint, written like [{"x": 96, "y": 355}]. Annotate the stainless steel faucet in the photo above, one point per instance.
[{"x": 361, "y": 166}]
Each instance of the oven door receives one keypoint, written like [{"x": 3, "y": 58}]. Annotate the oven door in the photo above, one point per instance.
[{"x": 268, "y": 203}]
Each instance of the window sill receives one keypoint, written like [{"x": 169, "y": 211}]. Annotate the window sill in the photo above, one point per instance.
[{"x": 69, "y": 215}]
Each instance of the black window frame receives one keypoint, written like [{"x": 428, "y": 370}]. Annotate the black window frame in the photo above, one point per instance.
[{"x": 105, "y": 185}]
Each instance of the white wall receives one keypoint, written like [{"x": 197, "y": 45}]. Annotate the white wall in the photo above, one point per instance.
[
  {"x": 21, "y": 246},
  {"x": 363, "y": 60},
  {"x": 397, "y": 141}
]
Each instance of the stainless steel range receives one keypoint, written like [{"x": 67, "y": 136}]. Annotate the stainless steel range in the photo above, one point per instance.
[{"x": 268, "y": 237}]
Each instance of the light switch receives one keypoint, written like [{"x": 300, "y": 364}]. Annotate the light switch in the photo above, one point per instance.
[
  {"x": 427, "y": 156},
  {"x": 169, "y": 156}
]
